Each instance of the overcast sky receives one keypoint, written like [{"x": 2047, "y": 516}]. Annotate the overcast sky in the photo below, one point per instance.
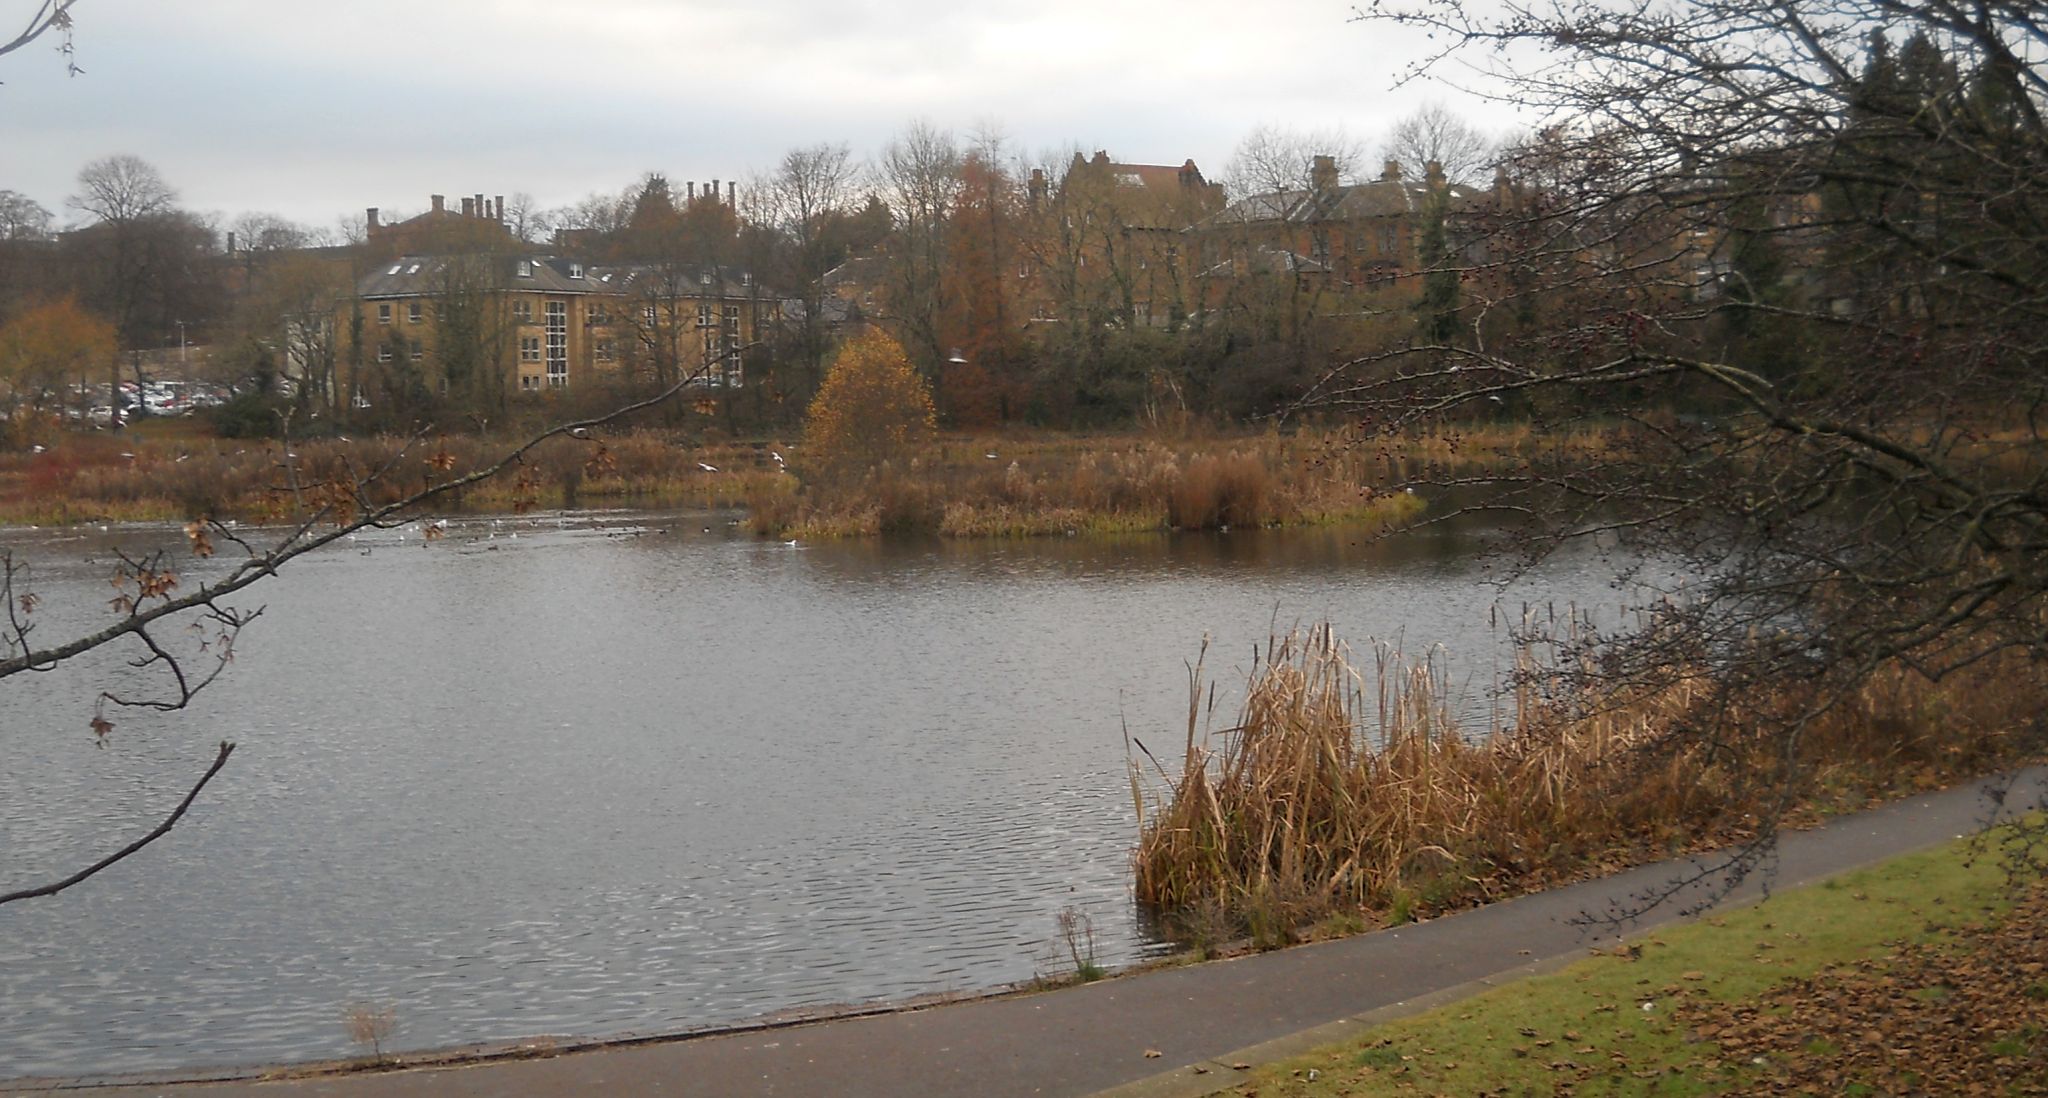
[{"x": 317, "y": 110}]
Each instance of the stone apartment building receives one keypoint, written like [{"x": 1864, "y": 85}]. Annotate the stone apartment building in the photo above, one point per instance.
[{"x": 543, "y": 323}]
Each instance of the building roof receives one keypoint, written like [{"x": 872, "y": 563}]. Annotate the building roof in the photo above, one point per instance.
[
  {"x": 429, "y": 275},
  {"x": 1344, "y": 202}
]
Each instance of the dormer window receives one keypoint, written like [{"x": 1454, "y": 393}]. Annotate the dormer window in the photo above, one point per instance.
[
  {"x": 526, "y": 268},
  {"x": 575, "y": 270}
]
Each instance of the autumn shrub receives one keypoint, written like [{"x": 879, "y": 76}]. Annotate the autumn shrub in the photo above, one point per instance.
[{"x": 873, "y": 408}]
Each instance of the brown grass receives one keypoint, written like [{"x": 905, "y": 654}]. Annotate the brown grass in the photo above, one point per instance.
[
  {"x": 141, "y": 475},
  {"x": 1350, "y": 793},
  {"x": 1023, "y": 486}
]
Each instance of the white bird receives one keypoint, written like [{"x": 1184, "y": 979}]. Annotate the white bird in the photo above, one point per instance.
[
  {"x": 707, "y": 468},
  {"x": 127, "y": 454},
  {"x": 182, "y": 457},
  {"x": 991, "y": 455},
  {"x": 37, "y": 448},
  {"x": 579, "y": 432},
  {"x": 776, "y": 456}
]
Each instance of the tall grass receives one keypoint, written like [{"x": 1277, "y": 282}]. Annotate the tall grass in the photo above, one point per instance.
[
  {"x": 1012, "y": 486},
  {"x": 1349, "y": 788},
  {"x": 141, "y": 476}
]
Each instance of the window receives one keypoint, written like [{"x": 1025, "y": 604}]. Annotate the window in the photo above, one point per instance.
[
  {"x": 647, "y": 315},
  {"x": 522, "y": 311},
  {"x": 526, "y": 268},
  {"x": 575, "y": 270},
  {"x": 1023, "y": 270},
  {"x": 732, "y": 324},
  {"x": 529, "y": 382},
  {"x": 419, "y": 353},
  {"x": 596, "y": 313},
  {"x": 413, "y": 312},
  {"x": 703, "y": 316},
  {"x": 384, "y": 352},
  {"x": 604, "y": 350},
  {"x": 1319, "y": 245},
  {"x": 384, "y": 312},
  {"x": 395, "y": 268},
  {"x": 558, "y": 344},
  {"x": 529, "y": 348},
  {"x": 413, "y": 270}
]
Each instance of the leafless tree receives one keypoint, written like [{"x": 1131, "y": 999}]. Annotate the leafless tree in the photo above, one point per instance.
[
  {"x": 1793, "y": 260},
  {"x": 807, "y": 196},
  {"x": 919, "y": 176},
  {"x": 1434, "y": 134},
  {"x": 121, "y": 190},
  {"x": 22, "y": 217},
  {"x": 1274, "y": 159}
]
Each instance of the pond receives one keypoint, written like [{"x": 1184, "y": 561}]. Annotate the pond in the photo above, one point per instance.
[{"x": 603, "y": 773}]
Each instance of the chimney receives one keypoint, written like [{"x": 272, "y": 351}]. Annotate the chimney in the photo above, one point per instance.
[
  {"x": 712, "y": 194},
  {"x": 468, "y": 207},
  {"x": 732, "y": 195},
  {"x": 1037, "y": 185},
  {"x": 1436, "y": 174},
  {"x": 1101, "y": 158},
  {"x": 231, "y": 241},
  {"x": 499, "y": 202},
  {"x": 1322, "y": 174},
  {"x": 440, "y": 202},
  {"x": 374, "y": 223},
  {"x": 1503, "y": 188},
  {"x": 479, "y": 204},
  {"x": 1391, "y": 173},
  {"x": 1190, "y": 176},
  {"x": 693, "y": 190}
]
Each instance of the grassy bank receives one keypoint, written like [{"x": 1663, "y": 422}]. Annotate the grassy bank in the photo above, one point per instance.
[
  {"x": 1020, "y": 486},
  {"x": 1346, "y": 796},
  {"x": 997, "y": 486},
  {"x": 1916, "y": 976}
]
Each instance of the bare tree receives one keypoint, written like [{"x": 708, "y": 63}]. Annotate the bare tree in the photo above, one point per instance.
[
  {"x": 121, "y": 190},
  {"x": 1274, "y": 159},
  {"x": 1794, "y": 261},
  {"x": 1436, "y": 135},
  {"x": 22, "y": 217},
  {"x": 919, "y": 175},
  {"x": 806, "y": 197}
]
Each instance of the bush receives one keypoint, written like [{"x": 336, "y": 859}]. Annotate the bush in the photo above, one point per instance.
[
  {"x": 873, "y": 408},
  {"x": 250, "y": 415}
]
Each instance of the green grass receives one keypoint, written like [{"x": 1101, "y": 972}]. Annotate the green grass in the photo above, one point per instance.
[{"x": 1614, "y": 1012}]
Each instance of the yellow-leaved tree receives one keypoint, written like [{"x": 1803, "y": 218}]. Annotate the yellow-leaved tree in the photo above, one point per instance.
[
  {"x": 873, "y": 408},
  {"x": 42, "y": 349}
]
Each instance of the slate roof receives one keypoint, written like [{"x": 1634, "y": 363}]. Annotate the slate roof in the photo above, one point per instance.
[{"x": 424, "y": 276}]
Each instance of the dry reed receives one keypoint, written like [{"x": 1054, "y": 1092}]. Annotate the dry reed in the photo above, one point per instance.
[{"x": 1348, "y": 792}]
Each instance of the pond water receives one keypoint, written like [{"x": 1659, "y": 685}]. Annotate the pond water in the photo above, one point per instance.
[{"x": 608, "y": 773}]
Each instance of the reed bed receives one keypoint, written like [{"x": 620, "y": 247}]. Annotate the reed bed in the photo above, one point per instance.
[
  {"x": 1011, "y": 486},
  {"x": 142, "y": 476},
  {"x": 1349, "y": 792}
]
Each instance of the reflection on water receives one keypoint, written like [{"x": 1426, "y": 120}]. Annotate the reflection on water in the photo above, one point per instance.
[{"x": 631, "y": 773}]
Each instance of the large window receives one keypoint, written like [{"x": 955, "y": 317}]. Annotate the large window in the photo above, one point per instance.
[
  {"x": 522, "y": 311},
  {"x": 558, "y": 344},
  {"x": 529, "y": 348}
]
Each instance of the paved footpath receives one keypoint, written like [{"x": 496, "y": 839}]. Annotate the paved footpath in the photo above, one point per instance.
[{"x": 1084, "y": 1040}]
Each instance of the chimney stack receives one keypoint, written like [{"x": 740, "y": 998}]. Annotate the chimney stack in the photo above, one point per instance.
[
  {"x": 1391, "y": 173},
  {"x": 1038, "y": 185},
  {"x": 468, "y": 206},
  {"x": 712, "y": 194},
  {"x": 693, "y": 190},
  {"x": 374, "y": 224},
  {"x": 440, "y": 202},
  {"x": 231, "y": 241},
  {"x": 732, "y": 195},
  {"x": 500, "y": 203},
  {"x": 479, "y": 203},
  {"x": 1436, "y": 173},
  {"x": 1322, "y": 174}
]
